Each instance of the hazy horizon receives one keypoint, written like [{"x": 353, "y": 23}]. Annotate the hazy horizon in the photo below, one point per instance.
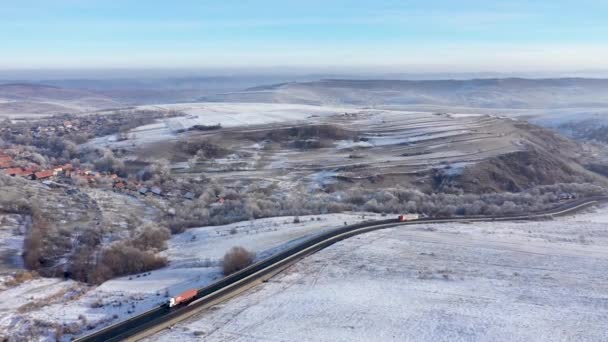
[
  {"x": 331, "y": 36},
  {"x": 296, "y": 74}
]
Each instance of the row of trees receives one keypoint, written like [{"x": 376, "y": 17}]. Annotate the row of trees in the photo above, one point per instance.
[
  {"x": 92, "y": 260},
  {"x": 256, "y": 203}
]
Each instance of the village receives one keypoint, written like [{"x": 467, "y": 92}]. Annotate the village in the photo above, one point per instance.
[
  {"x": 48, "y": 151},
  {"x": 66, "y": 174}
]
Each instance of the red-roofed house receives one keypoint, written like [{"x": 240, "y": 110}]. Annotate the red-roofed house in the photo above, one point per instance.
[
  {"x": 5, "y": 164},
  {"x": 17, "y": 171},
  {"x": 25, "y": 173},
  {"x": 45, "y": 174},
  {"x": 32, "y": 169},
  {"x": 13, "y": 171}
]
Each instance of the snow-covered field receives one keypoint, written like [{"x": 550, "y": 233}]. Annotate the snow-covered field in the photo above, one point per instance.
[
  {"x": 35, "y": 307},
  {"x": 11, "y": 242},
  {"x": 383, "y": 143},
  {"x": 527, "y": 281},
  {"x": 226, "y": 114},
  {"x": 244, "y": 114}
]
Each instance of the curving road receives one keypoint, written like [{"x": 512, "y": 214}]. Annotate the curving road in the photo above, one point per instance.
[{"x": 161, "y": 317}]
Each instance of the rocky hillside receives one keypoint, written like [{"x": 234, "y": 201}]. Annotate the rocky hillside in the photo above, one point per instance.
[{"x": 547, "y": 158}]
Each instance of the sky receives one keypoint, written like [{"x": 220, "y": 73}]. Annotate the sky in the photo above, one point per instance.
[{"x": 403, "y": 35}]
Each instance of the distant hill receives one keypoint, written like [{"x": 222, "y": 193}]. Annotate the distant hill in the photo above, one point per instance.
[
  {"x": 516, "y": 93},
  {"x": 24, "y": 98}
]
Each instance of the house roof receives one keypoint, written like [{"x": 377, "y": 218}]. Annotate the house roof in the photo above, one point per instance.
[
  {"x": 24, "y": 173},
  {"x": 31, "y": 169},
  {"x": 13, "y": 171},
  {"x": 44, "y": 174}
]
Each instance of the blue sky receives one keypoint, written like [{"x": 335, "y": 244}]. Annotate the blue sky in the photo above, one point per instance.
[{"x": 409, "y": 35}]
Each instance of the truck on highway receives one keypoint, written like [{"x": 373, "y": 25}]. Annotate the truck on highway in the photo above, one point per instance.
[
  {"x": 408, "y": 217},
  {"x": 183, "y": 297}
]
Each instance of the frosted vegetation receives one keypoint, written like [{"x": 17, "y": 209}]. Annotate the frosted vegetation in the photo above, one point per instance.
[{"x": 257, "y": 202}]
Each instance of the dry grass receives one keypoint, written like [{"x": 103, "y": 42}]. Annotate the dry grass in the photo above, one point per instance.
[
  {"x": 61, "y": 296},
  {"x": 21, "y": 277}
]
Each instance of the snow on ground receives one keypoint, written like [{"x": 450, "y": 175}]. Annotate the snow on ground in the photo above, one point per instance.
[
  {"x": 195, "y": 259},
  {"x": 12, "y": 228},
  {"x": 526, "y": 281},
  {"x": 208, "y": 244},
  {"x": 213, "y": 113},
  {"x": 244, "y": 114}
]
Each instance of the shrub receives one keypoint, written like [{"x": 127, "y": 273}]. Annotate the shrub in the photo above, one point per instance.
[
  {"x": 236, "y": 259},
  {"x": 20, "y": 277},
  {"x": 151, "y": 237},
  {"x": 122, "y": 259}
]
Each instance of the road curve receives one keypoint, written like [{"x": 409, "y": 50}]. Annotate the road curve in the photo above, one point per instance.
[{"x": 159, "y": 318}]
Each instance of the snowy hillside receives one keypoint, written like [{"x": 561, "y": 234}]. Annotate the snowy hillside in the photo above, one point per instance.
[
  {"x": 530, "y": 281},
  {"x": 43, "y": 309}
]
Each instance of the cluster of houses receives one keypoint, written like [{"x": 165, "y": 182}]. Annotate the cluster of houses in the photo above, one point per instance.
[
  {"x": 53, "y": 127},
  {"x": 63, "y": 127},
  {"x": 50, "y": 175},
  {"x": 34, "y": 173}
]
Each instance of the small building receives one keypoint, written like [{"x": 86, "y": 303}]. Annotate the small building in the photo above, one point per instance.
[
  {"x": 31, "y": 169},
  {"x": 156, "y": 190},
  {"x": 12, "y": 171},
  {"x": 26, "y": 173},
  {"x": 143, "y": 190},
  {"x": 189, "y": 195},
  {"x": 19, "y": 172},
  {"x": 45, "y": 174}
]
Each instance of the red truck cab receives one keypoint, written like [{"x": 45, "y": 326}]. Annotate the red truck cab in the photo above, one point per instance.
[{"x": 182, "y": 297}]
